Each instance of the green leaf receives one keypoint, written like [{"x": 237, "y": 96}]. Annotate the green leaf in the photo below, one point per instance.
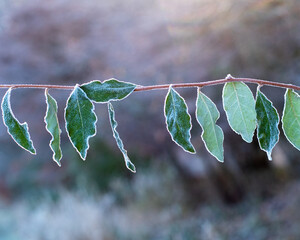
[
  {"x": 291, "y": 118},
  {"x": 19, "y": 132},
  {"x": 52, "y": 126},
  {"x": 207, "y": 114},
  {"x": 80, "y": 120},
  {"x": 239, "y": 105},
  {"x": 116, "y": 135},
  {"x": 267, "y": 123},
  {"x": 178, "y": 120},
  {"x": 109, "y": 90}
]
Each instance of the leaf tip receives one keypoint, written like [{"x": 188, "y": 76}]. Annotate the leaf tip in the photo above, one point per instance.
[
  {"x": 269, "y": 156},
  {"x": 58, "y": 163},
  {"x": 82, "y": 156},
  {"x": 247, "y": 139},
  {"x": 33, "y": 152},
  {"x": 191, "y": 150},
  {"x": 220, "y": 158},
  {"x": 131, "y": 166}
]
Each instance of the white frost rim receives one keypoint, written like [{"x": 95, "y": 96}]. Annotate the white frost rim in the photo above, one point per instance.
[
  {"x": 66, "y": 125},
  {"x": 8, "y": 93},
  {"x": 52, "y": 139},
  {"x": 189, "y": 130},
  {"x": 198, "y": 92}
]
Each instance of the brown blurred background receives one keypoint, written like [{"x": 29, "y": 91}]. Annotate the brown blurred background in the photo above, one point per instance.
[{"x": 173, "y": 195}]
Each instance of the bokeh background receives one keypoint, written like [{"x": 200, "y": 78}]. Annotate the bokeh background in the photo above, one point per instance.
[{"x": 173, "y": 195}]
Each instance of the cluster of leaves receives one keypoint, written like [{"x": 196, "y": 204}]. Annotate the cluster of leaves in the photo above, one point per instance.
[{"x": 244, "y": 114}]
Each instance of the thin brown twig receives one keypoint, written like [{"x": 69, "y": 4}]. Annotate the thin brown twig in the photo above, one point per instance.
[
  {"x": 166, "y": 86},
  {"x": 220, "y": 81},
  {"x": 41, "y": 86}
]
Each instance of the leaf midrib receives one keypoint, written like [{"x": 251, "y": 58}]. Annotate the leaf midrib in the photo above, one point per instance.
[
  {"x": 175, "y": 112},
  {"x": 239, "y": 106},
  {"x": 81, "y": 120},
  {"x": 264, "y": 109},
  {"x": 54, "y": 109}
]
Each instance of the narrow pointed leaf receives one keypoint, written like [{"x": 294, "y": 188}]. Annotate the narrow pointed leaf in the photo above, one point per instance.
[
  {"x": 207, "y": 114},
  {"x": 109, "y": 90},
  {"x": 178, "y": 120},
  {"x": 52, "y": 126},
  {"x": 116, "y": 135},
  {"x": 239, "y": 105},
  {"x": 267, "y": 123},
  {"x": 291, "y": 118},
  {"x": 80, "y": 120},
  {"x": 19, "y": 132}
]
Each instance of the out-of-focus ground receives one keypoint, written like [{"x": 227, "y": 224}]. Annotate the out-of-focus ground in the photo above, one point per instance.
[{"x": 173, "y": 195}]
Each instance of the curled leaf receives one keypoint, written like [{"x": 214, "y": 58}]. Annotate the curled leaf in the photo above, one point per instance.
[
  {"x": 19, "y": 132},
  {"x": 116, "y": 135},
  {"x": 109, "y": 90},
  {"x": 207, "y": 114},
  {"x": 52, "y": 126}
]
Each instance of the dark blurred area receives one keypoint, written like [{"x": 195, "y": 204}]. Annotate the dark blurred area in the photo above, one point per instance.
[{"x": 173, "y": 195}]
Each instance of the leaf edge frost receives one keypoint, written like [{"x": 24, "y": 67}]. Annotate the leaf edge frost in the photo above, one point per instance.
[{"x": 77, "y": 87}]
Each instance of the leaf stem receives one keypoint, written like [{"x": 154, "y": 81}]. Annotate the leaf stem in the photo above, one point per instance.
[{"x": 166, "y": 86}]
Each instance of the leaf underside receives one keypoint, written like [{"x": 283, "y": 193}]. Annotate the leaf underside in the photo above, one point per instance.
[
  {"x": 239, "y": 105},
  {"x": 109, "y": 90},
  {"x": 178, "y": 120},
  {"x": 80, "y": 120},
  {"x": 52, "y": 126},
  {"x": 19, "y": 132},
  {"x": 116, "y": 135},
  {"x": 267, "y": 123},
  {"x": 207, "y": 114},
  {"x": 291, "y": 117}
]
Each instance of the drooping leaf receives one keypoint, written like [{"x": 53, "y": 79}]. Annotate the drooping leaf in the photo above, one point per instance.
[
  {"x": 178, "y": 120},
  {"x": 239, "y": 105},
  {"x": 291, "y": 117},
  {"x": 19, "y": 132},
  {"x": 207, "y": 114},
  {"x": 80, "y": 120},
  {"x": 109, "y": 90},
  {"x": 52, "y": 126},
  {"x": 116, "y": 135},
  {"x": 267, "y": 123}
]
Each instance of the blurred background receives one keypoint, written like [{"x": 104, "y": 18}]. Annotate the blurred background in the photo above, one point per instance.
[{"x": 173, "y": 195}]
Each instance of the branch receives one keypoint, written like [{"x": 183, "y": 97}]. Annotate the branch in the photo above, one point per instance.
[
  {"x": 166, "y": 86},
  {"x": 219, "y": 81}
]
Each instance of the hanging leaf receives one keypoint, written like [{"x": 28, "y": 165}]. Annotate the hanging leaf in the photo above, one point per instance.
[
  {"x": 80, "y": 120},
  {"x": 267, "y": 123},
  {"x": 207, "y": 114},
  {"x": 239, "y": 105},
  {"x": 291, "y": 117},
  {"x": 116, "y": 135},
  {"x": 52, "y": 126},
  {"x": 108, "y": 90},
  {"x": 178, "y": 120},
  {"x": 19, "y": 132}
]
